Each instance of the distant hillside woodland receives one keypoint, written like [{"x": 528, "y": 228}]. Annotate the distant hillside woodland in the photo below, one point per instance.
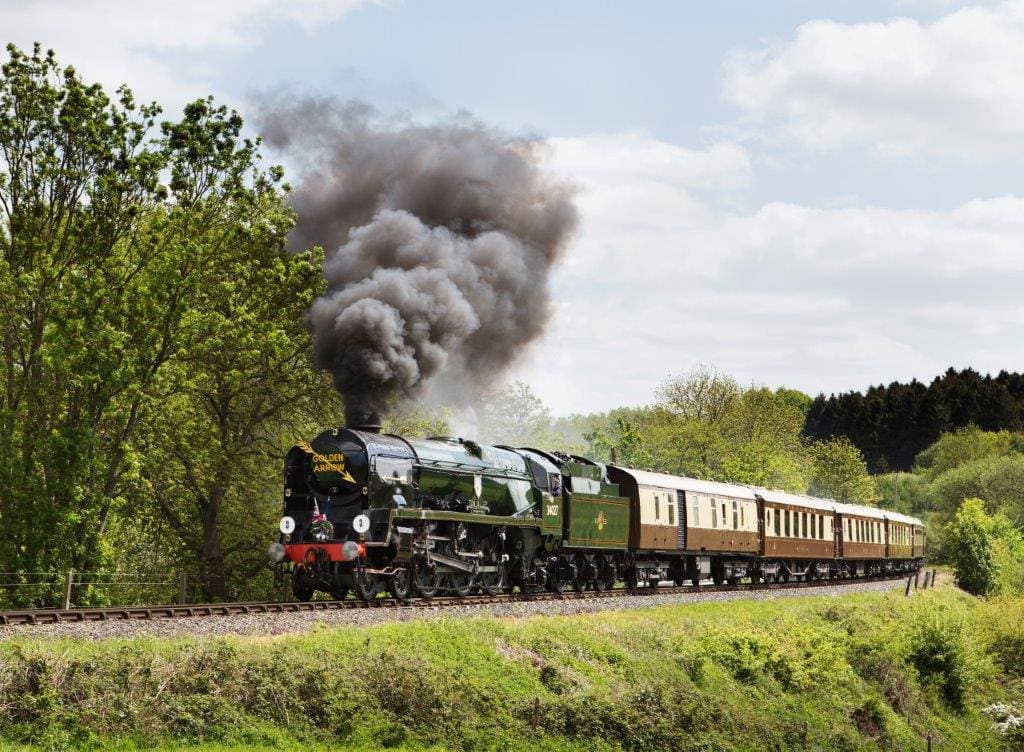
[{"x": 155, "y": 369}]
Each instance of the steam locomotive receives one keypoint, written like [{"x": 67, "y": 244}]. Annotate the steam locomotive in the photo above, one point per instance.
[{"x": 366, "y": 512}]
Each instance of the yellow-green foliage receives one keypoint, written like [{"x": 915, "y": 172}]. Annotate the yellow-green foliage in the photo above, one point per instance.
[{"x": 851, "y": 673}]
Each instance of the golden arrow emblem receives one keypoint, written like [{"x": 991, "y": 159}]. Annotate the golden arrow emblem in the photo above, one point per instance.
[{"x": 323, "y": 464}]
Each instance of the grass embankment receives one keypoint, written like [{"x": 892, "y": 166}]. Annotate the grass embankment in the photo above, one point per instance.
[{"x": 858, "y": 672}]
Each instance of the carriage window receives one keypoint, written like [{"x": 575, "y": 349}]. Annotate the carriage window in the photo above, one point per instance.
[
  {"x": 821, "y": 526},
  {"x": 778, "y": 522},
  {"x": 743, "y": 516},
  {"x": 803, "y": 523},
  {"x": 787, "y": 522},
  {"x": 725, "y": 520},
  {"x": 657, "y": 508},
  {"x": 696, "y": 512},
  {"x": 735, "y": 517},
  {"x": 671, "y": 514},
  {"x": 714, "y": 514}
]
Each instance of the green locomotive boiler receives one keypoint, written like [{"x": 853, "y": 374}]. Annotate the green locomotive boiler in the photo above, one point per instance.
[{"x": 366, "y": 512}]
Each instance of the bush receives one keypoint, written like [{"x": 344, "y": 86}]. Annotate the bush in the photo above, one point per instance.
[
  {"x": 970, "y": 545},
  {"x": 939, "y": 651}
]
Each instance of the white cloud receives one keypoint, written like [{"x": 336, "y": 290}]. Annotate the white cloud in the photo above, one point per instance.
[
  {"x": 662, "y": 278},
  {"x": 142, "y": 42},
  {"x": 954, "y": 87}
]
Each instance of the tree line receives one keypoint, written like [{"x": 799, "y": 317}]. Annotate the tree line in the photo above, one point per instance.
[{"x": 892, "y": 424}]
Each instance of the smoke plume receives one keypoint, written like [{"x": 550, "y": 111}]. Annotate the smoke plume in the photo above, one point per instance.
[{"x": 439, "y": 245}]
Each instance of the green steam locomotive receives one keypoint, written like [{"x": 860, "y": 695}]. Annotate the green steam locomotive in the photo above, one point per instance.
[{"x": 366, "y": 512}]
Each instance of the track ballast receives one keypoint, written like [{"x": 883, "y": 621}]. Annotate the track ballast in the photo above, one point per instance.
[{"x": 146, "y": 613}]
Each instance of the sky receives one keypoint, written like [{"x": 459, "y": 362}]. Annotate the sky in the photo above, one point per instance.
[{"x": 818, "y": 195}]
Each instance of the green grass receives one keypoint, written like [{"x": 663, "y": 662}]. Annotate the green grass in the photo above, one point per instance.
[{"x": 852, "y": 673}]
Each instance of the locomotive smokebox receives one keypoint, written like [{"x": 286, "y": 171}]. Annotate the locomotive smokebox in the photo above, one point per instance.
[{"x": 367, "y": 428}]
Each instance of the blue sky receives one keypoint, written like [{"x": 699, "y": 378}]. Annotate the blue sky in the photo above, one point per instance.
[{"x": 823, "y": 195}]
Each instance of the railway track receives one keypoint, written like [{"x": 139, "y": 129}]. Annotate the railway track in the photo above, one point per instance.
[{"x": 143, "y": 613}]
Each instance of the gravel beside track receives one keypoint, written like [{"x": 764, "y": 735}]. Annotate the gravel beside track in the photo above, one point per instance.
[{"x": 291, "y": 623}]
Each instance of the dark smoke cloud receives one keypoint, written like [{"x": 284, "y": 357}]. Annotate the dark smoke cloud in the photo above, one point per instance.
[{"x": 439, "y": 244}]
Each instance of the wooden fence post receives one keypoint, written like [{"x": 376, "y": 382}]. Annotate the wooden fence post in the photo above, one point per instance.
[
  {"x": 925, "y": 586},
  {"x": 907, "y": 591},
  {"x": 935, "y": 572},
  {"x": 69, "y": 580},
  {"x": 917, "y": 576}
]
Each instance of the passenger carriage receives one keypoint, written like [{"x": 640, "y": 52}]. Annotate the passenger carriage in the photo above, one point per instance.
[
  {"x": 685, "y": 529},
  {"x": 798, "y": 536},
  {"x": 862, "y": 543}
]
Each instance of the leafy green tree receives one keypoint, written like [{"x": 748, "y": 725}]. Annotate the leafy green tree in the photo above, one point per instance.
[
  {"x": 702, "y": 394},
  {"x": 513, "y": 415},
  {"x": 418, "y": 422},
  {"x": 961, "y": 447},
  {"x": 969, "y": 540},
  {"x": 839, "y": 472},
  {"x": 152, "y": 352},
  {"x": 86, "y": 319}
]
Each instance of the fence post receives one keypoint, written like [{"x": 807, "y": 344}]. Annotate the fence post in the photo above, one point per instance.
[
  {"x": 183, "y": 589},
  {"x": 925, "y": 585},
  {"x": 907, "y": 591},
  {"x": 917, "y": 576},
  {"x": 69, "y": 580},
  {"x": 934, "y": 573}
]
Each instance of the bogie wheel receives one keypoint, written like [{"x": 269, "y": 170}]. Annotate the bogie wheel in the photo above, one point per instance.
[
  {"x": 425, "y": 580},
  {"x": 400, "y": 585},
  {"x": 555, "y": 582},
  {"x": 339, "y": 588},
  {"x": 609, "y": 575},
  {"x": 302, "y": 590},
  {"x": 717, "y": 576},
  {"x": 601, "y": 567},
  {"x": 366, "y": 586},
  {"x": 581, "y": 572}
]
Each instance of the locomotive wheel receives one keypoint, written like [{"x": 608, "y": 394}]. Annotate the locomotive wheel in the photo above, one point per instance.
[
  {"x": 367, "y": 586},
  {"x": 303, "y": 594},
  {"x": 460, "y": 585},
  {"x": 493, "y": 583},
  {"x": 400, "y": 586},
  {"x": 425, "y": 581}
]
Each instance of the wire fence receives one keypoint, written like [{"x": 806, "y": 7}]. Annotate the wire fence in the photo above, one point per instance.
[{"x": 70, "y": 589}]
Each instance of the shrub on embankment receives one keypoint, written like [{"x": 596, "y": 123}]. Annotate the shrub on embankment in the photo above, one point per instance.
[{"x": 858, "y": 672}]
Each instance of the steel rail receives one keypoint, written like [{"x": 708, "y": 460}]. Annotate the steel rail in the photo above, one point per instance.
[{"x": 42, "y": 616}]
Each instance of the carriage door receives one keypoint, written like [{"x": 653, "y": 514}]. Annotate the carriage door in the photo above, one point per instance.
[{"x": 681, "y": 519}]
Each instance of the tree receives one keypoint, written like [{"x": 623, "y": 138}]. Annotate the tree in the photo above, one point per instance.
[
  {"x": 152, "y": 352},
  {"x": 969, "y": 541},
  {"x": 702, "y": 394},
  {"x": 513, "y": 415},
  {"x": 418, "y": 422},
  {"x": 86, "y": 324},
  {"x": 839, "y": 472}
]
